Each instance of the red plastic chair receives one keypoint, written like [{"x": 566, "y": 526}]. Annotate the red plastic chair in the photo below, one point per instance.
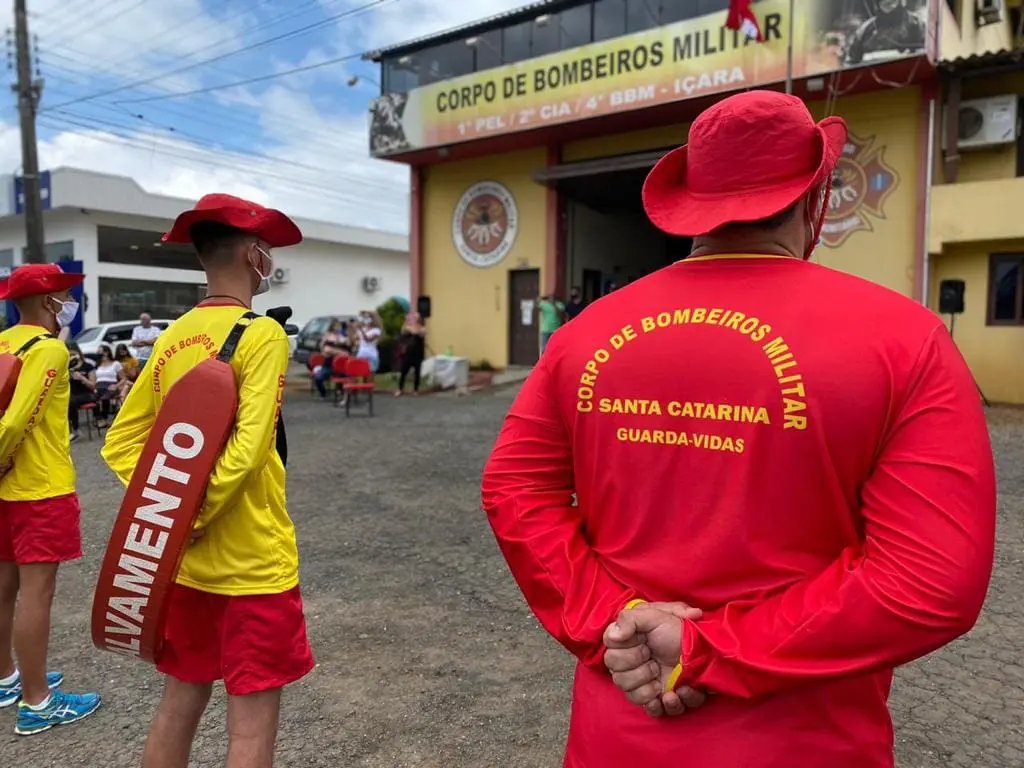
[
  {"x": 339, "y": 374},
  {"x": 360, "y": 380},
  {"x": 89, "y": 410},
  {"x": 314, "y": 360}
]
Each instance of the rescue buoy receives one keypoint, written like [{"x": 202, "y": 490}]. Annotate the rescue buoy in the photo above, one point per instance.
[
  {"x": 10, "y": 369},
  {"x": 153, "y": 527}
]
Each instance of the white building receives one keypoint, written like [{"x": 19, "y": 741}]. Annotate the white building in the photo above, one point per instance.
[{"x": 113, "y": 227}]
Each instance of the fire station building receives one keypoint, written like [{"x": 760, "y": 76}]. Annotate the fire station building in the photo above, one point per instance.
[{"x": 528, "y": 137}]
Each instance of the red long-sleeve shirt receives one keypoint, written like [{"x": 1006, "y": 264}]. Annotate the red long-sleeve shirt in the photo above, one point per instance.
[{"x": 800, "y": 453}]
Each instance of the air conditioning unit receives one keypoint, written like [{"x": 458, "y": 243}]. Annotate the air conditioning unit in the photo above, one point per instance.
[
  {"x": 280, "y": 275},
  {"x": 990, "y": 11},
  {"x": 371, "y": 284},
  {"x": 988, "y": 122}
]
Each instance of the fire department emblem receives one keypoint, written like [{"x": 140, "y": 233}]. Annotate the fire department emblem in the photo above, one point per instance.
[
  {"x": 485, "y": 224},
  {"x": 861, "y": 183}
]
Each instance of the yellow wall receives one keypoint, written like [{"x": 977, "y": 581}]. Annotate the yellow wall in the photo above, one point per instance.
[
  {"x": 966, "y": 38},
  {"x": 991, "y": 162},
  {"x": 471, "y": 304},
  {"x": 992, "y": 352},
  {"x": 886, "y": 253}
]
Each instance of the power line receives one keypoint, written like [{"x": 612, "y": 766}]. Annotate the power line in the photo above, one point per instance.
[
  {"x": 205, "y": 162},
  {"x": 92, "y": 17},
  {"x": 318, "y": 170},
  {"x": 224, "y": 122},
  {"x": 220, "y": 57},
  {"x": 247, "y": 81}
]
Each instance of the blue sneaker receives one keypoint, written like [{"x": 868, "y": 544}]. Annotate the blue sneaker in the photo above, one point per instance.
[
  {"x": 9, "y": 694},
  {"x": 63, "y": 708}
]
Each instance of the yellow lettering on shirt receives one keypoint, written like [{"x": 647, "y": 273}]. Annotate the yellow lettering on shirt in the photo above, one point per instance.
[
  {"x": 780, "y": 357},
  {"x": 682, "y": 439}
]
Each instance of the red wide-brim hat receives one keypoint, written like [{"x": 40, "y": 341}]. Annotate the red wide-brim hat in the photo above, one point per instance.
[
  {"x": 749, "y": 157},
  {"x": 36, "y": 280},
  {"x": 268, "y": 224}
]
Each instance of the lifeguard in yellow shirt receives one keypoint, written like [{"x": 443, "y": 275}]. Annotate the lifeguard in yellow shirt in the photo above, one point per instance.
[
  {"x": 39, "y": 513},
  {"x": 235, "y": 612}
]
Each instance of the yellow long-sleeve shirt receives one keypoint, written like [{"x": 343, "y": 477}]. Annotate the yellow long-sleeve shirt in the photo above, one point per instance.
[
  {"x": 248, "y": 546},
  {"x": 34, "y": 434}
]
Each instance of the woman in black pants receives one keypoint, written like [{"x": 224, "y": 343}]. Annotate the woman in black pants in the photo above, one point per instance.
[
  {"x": 83, "y": 386},
  {"x": 412, "y": 343}
]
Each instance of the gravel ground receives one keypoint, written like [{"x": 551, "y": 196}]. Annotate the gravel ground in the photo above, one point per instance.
[{"x": 426, "y": 653}]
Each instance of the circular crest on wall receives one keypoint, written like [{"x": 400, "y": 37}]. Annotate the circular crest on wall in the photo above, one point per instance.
[{"x": 485, "y": 224}]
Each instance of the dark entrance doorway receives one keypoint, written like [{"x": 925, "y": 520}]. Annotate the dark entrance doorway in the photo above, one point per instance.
[{"x": 523, "y": 333}]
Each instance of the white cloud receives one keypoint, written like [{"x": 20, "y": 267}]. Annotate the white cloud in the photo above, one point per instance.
[{"x": 316, "y": 160}]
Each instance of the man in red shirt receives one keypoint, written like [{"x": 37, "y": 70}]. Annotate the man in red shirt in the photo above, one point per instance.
[{"x": 797, "y": 452}]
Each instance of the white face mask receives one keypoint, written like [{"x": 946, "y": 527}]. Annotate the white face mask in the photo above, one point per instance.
[
  {"x": 67, "y": 312},
  {"x": 264, "y": 285}
]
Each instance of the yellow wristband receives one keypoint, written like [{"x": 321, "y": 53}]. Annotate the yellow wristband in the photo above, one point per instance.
[
  {"x": 634, "y": 604},
  {"x": 673, "y": 679}
]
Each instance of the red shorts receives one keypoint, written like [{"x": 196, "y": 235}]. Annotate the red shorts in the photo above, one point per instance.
[
  {"x": 44, "y": 531},
  {"x": 254, "y": 642}
]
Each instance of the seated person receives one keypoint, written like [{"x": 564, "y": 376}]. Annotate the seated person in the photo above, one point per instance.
[
  {"x": 335, "y": 342},
  {"x": 83, "y": 386}
]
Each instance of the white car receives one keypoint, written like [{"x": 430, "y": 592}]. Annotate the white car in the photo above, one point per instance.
[{"x": 111, "y": 334}]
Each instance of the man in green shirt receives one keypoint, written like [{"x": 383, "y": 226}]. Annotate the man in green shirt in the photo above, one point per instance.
[{"x": 552, "y": 313}]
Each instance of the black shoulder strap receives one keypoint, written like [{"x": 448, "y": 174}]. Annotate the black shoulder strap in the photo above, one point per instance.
[
  {"x": 231, "y": 343},
  {"x": 32, "y": 342}
]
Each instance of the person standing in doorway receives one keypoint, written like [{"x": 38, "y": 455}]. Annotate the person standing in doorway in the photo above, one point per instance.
[
  {"x": 144, "y": 336},
  {"x": 575, "y": 305},
  {"x": 552, "y": 315},
  {"x": 39, "y": 512}
]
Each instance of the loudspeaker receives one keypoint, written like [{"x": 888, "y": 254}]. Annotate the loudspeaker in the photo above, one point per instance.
[
  {"x": 423, "y": 306},
  {"x": 951, "y": 297}
]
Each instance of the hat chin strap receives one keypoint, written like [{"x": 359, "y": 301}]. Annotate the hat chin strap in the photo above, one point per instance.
[{"x": 821, "y": 192}]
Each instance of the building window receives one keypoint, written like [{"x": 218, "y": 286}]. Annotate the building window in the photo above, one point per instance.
[
  {"x": 609, "y": 19},
  {"x": 143, "y": 249},
  {"x": 446, "y": 61},
  {"x": 678, "y": 10},
  {"x": 55, "y": 252},
  {"x": 123, "y": 299},
  {"x": 516, "y": 42},
  {"x": 641, "y": 15},
  {"x": 577, "y": 26},
  {"x": 488, "y": 50},
  {"x": 7, "y": 257},
  {"x": 1006, "y": 289}
]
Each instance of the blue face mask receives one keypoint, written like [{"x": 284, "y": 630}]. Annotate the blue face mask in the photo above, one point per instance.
[{"x": 67, "y": 312}]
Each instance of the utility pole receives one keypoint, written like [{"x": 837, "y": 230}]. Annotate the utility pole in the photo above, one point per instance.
[{"x": 29, "y": 92}]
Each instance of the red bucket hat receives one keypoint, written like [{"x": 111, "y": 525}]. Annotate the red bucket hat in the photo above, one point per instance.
[
  {"x": 267, "y": 224},
  {"x": 749, "y": 157},
  {"x": 37, "y": 279}
]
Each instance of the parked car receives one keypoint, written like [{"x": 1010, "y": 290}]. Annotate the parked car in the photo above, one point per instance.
[
  {"x": 308, "y": 340},
  {"x": 111, "y": 334}
]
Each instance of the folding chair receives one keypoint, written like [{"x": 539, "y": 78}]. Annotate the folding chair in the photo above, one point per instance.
[
  {"x": 339, "y": 374},
  {"x": 360, "y": 379}
]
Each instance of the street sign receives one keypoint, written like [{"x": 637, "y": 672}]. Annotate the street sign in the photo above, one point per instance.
[{"x": 44, "y": 192}]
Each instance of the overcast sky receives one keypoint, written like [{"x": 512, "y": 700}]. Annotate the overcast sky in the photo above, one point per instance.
[{"x": 298, "y": 142}]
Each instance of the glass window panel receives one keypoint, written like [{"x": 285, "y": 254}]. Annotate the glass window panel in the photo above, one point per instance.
[
  {"x": 546, "y": 34},
  {"x": 122, "y": 299},
  {"x": 1006, "y": 275},
  {"x": 89, "y": 334},
  {"x": 609, "y": 19},
  {"x": 516, "y": 42},
  {"x": 488, "y": 50},
  {"x": 705, "y": 7},
  {"x": 7, "y": 257},
  {"x": 575, "y": 26},
  {"x": 641, "y": 15},
  {"x": 677, "y": 10},
  {"x": 446, "y": 61},
  {"x": 401, "y": 77}
]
